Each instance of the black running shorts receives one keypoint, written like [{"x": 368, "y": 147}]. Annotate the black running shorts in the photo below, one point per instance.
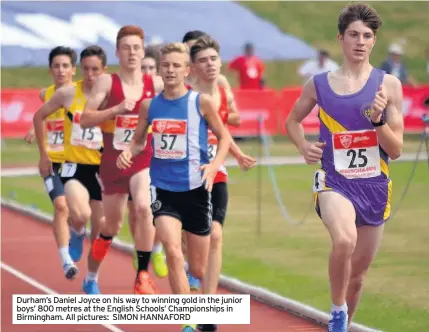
[{"x": 192, "y": 208}]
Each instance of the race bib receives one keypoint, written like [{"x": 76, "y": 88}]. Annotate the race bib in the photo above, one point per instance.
[
  {"x": 68, "y": 170},
  {"x": 169, "y": 137},
  {"x": 357, "y": 154},
  {"x": 90, "y": 138},
  {"x": 125, "y": 127},
  {"x": 55, "y": 134},
  {"x": 212, "y": 147}
]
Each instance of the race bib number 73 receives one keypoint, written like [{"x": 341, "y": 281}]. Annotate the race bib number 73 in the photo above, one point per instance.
[
  {"x": 169, "y": 137},
  {"x": 357, "y": 154}
]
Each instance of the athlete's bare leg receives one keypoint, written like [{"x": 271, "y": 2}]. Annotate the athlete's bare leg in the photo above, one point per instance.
[
  {"x": 60, "y": 225},
  {"x": 114, "y": 210},
  {"x": 169, "y": 230},
  {"x": 144, "y": 231},
  {"x": 368, "y": 241},
  {"x": 77, "y": 197},
  {"x": 198, "y": 252},
  {"x": 214, "y": 266},
  {"x": 132, "y": 219},
  {"x": 61, "y": 232},
  {"x": 338, "y": 215},
  {"x": 82, "y": 209}
]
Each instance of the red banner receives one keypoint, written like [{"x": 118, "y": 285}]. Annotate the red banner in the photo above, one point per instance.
[
  {"x": 17, "y": 111},
  {"x": 18, "y": 107},
  {"x": 254, "y": 105}
]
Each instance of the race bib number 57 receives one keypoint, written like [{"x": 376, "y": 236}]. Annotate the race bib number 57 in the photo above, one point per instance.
[
  {"x": 169, "y": 137},
  {"x": 357, "y": 154}
]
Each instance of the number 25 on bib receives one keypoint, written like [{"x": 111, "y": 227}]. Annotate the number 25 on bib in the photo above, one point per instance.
[
  {"x": 169, "y": 137},
  {"x": 357, "y": 154}
]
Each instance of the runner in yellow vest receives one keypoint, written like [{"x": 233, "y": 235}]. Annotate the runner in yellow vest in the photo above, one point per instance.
[
  {"x": 82, "y": 152},
  {"x": 62, "y": 66}
]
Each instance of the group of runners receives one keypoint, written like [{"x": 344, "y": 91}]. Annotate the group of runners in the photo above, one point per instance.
[{"x": 153, "y": 138}]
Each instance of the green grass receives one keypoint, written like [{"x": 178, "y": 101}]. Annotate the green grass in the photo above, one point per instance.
[
  {"x": 315, "y": 23},
  {"x": 292, "y": 260}
]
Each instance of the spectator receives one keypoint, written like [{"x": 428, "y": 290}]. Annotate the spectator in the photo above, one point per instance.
[
  {"x": 393, "y": 65},
  {"x": 150, "y": 62},
  {"x": 312, "y": 67},
  {"x": 250, "y": 69}
]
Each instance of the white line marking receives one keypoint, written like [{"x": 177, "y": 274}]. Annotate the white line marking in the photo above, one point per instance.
[{"x": 44, "y": 289}]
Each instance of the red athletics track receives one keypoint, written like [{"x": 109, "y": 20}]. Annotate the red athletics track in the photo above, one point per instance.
[{"x": 30, "y": 265}]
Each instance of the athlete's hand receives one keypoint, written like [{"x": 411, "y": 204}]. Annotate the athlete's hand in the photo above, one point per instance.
[
  {"x": 378, "y": 105},
  {"x": 45, "y": 166},
  {"x": 208, "y": 176},
  {"x": 312, "y": 152},
  {"x": 29, "y": 137},
  {"x": 245, "y": 162},
  {"x": 126, "y": 106},
  {"x": 124, "y": 159}
]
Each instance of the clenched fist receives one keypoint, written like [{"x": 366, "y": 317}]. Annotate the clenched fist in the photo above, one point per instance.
[
  {"x": 312, "y": 152},
  {"x": 126, "y": 106},
  {"x": 378, "y": 105},
  {"x": 124, "y": 159}
]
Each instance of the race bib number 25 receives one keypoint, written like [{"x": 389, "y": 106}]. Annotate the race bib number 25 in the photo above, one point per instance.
[
  {"x": 169, "y": 137},
  {"x": 357, "y": 154}
]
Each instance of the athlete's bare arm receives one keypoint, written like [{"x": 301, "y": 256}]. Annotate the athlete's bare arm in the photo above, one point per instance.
[
  {"x": 91, "y": 116},
  {"x": 233, "y": 114},
  {"x": 302, "y": 108},
  {"x": 138, "y": 142},
  {"x": 61, "y": 98},
  {"x": 390, "y": 136},
  {"x": 42, "y": 94},
  {"x": 209, "y": 112},
  {"x": 158, "y": 84}
]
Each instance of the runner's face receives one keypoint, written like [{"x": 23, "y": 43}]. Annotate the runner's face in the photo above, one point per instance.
[
  {"x": 130, "y": 52},
  {"x": 207, "y": 65},
  {"x": 149, "y": 66},
  {"x": 62, "y": 70},
  {"x": 92, "y": 67},
  {"x": 174, "y": 68},
  {"x": 357, "y": 42}
]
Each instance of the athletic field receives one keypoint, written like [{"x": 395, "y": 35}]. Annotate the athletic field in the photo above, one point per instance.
[{"x": 292, "y": 259}]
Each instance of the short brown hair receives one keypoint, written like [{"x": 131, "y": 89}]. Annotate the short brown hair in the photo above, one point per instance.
[
  {"x": 129, "y": 30},
  {"x": 204, "y": 43},
  {"x": 359, "y": 12}
]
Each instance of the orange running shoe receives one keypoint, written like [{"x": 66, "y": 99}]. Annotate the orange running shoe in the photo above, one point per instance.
[
  {"x": 144, "y": 284},
  {"x": 100, "y": 247}
]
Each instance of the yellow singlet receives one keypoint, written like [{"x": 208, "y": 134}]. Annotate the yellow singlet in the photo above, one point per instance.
[
  {"x": 54, "y": 130},
  {"x": 82, "y": 146}
]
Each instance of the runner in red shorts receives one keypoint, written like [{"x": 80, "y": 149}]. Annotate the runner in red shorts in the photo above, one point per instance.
[{"x": 113, "y": 105}]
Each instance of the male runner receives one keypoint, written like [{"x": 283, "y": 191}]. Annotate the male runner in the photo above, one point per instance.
[
  {"x": 62, "y": 65},
  {"x": 360, "y": 110},
  {"x": 82, "y": 152},
  {"x": 189, "y": 39},
  {"x": 113, "y": 104},
  {"x": 206, "y": 65},
  {"x": 181, "y": 175}
]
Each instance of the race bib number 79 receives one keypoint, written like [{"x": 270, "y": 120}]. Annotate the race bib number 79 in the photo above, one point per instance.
[
  {"x": 169, "y": 137},
  {"x": 357, "y": 154},
  {"x": 55, "y": 134}
]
